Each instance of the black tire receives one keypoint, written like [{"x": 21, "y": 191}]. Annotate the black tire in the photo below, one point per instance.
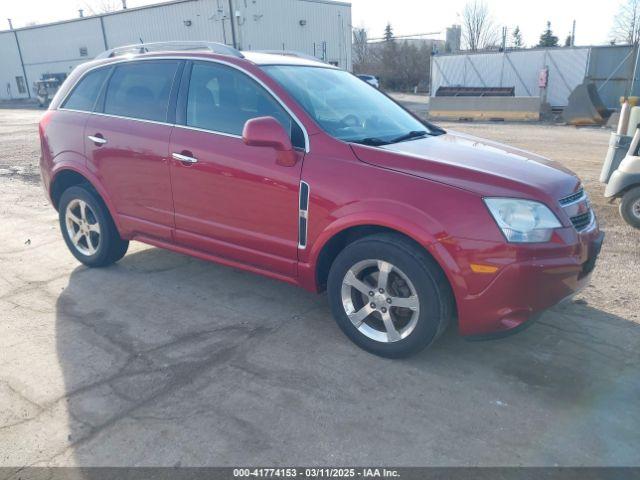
[
  {"x": 431, "y": 287},
  {"x": 630, "y": 207},
  {"x": 110, "y": 247}
]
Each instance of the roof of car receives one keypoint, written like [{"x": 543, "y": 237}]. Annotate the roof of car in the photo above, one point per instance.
[
  {"x": 286, "y": 58},
  {"x": 258, "y": 58},
  {"x": 204, "y": 49}
]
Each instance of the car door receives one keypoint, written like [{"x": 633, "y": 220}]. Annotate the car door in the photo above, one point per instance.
[
  {"x": 230, "y": 199},
  {"x": 127, "y": 144}
]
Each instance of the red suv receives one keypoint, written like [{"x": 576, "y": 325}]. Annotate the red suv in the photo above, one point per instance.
[{"x": 287, "y": 167}]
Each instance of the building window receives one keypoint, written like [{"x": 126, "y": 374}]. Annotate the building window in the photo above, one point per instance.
[
  {"x": 83, "y": 52},
  {"x": 22, "y": 88}
]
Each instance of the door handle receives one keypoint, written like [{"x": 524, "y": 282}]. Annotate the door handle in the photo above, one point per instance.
[
  {"x": 184, "y": 158},
  {"x": 97, "y": 140}
]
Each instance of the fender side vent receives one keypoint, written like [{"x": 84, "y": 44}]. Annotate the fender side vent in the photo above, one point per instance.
[{"x": 303, "y": 214}]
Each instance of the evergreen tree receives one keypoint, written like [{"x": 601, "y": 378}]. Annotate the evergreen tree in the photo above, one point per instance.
[
  {"x": 389, "y": 74},
  {"x": 388, "y": 33},
  {"x": 548, "y": 39},
  {"x": 517, "y": 38}
]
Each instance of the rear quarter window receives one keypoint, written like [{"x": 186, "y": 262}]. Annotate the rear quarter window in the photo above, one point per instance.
[
  {"x": 141, "y": 90},
  {"x": 84, "y": 94}
]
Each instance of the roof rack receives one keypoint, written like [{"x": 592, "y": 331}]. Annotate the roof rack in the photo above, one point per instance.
[
  {"x": 213, "y": 47},
  {"x": 289, "y": 53}
]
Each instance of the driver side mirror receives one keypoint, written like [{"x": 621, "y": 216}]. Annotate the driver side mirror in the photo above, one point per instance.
[{"x": 268, "y": 132}]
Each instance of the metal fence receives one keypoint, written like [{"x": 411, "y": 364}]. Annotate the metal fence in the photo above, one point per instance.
[
  {"x": 611, "y": 68},
  {"x": 518, "y": 68}
]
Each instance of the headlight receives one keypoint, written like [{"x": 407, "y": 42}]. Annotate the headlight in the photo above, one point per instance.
[{"x": 523, "y": 221}]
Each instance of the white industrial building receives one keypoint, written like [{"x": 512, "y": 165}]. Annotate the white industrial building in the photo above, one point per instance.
[{"x": 317, "y": 27}]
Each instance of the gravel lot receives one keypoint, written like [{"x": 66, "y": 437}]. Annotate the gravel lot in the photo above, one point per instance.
[{"x": 167, "y": 360}]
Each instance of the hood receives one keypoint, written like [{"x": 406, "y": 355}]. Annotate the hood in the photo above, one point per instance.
[{"x": 474, "y": 164}]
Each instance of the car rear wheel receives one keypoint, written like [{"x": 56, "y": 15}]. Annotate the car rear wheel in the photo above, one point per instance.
[
  {"x": 389, "y": 296},
  {"x": 630, "y": 207},
  {"x": 88, "y": 229}
]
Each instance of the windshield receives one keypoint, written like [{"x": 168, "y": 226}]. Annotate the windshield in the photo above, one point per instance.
[{"x": 348, "y": 108}]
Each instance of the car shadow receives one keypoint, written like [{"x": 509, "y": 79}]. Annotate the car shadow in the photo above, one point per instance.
[{"x": 169, "y": 360}]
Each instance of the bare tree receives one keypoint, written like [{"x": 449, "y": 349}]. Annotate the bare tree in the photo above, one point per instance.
[
  {"x": 626, "y": 23},
  {"x": 360, "y": 49},
  {"x": 478, "y": 30},
  {"x": 95, "y": 7}
]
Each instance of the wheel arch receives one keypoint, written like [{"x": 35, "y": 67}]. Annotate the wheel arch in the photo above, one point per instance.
[
  {"x": 68, "y": 176},
  {"x": 340, "y": 239}
]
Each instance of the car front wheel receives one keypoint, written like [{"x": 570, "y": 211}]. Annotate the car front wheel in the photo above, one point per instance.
[{"x": 388, "y": 295}]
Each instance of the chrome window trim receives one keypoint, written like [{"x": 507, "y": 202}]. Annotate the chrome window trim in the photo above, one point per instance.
[
  {"x": 117, "y": 116},
  {"x": 187, "y": 127},
  {"x": 215, "y": 132},
  {"x": 307, "y": 147}
]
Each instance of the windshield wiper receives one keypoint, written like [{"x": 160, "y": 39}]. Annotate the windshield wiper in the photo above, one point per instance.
[
  {"x": 376, "y": 142},
  {"x": 372, "y": 141},
  {"x": 410, "y": 135}
]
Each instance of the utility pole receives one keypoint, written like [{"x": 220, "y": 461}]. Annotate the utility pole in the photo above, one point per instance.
[
  {"x": 24, "y": 72},
  {"x": 573, "y": 34},
  {"x": 635, "y": 71},
  {"x": 504, "y": 38},
  {"x": 232, "y": 21}
]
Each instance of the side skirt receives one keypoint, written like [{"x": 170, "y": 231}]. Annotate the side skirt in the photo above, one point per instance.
[{"x": 213, "y": 258}]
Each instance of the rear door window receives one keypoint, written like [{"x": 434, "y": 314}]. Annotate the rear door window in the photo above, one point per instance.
[
  {"x": 141, "y": 90},
  {"x": 222, "y": 99},
  {"x": 84, "y": 95}
]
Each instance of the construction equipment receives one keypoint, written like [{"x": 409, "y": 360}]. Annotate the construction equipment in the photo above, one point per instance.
[
  {"x": 585, "y": 107},
  {"x": 47, "y": 87},
  {"x": 621, "y": 170},
  {"x": 618, "y": 148}
]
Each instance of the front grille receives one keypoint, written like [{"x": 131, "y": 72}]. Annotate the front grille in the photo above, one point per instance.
[
  {"x": 572, "y": 198},
  {"x": 580, "y": 222},
  {"x": 578, "y": 209}
]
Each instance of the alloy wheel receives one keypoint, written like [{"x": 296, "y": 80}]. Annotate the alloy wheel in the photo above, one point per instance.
[
  {"x": 380, "y": 300},
  {"x": 635, "y": 209},
  {"x": 83, "y": 227}
]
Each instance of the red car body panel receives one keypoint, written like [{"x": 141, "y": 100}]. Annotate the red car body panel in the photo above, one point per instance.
[
  {"x": 134, "y": 167},
  {"x": 235, "y": 200},
  {"x": 238, "y": 206}
]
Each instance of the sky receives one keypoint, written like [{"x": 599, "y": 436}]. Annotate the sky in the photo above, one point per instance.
[{"x": 593, "y": 19}]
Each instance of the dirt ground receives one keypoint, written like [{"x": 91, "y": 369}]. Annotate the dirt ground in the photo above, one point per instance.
[{"x": 167, "y": 360}]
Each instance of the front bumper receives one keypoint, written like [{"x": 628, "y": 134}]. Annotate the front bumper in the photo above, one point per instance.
[{"x": 522, "y": 290}]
